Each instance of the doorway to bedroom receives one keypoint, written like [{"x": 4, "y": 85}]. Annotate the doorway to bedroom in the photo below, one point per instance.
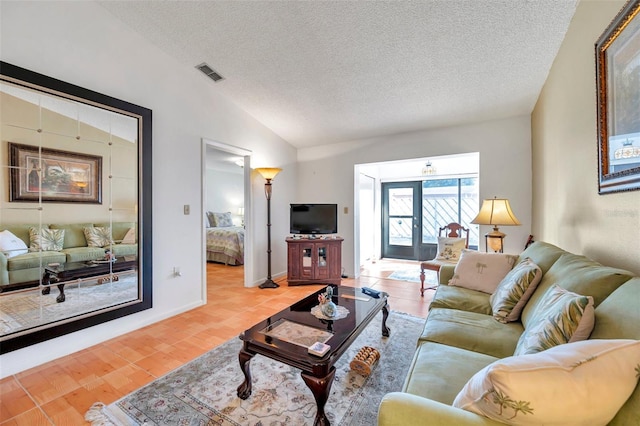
[{"x": 225, "y": 206}]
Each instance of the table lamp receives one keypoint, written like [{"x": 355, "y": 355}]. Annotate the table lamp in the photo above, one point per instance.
[{"x": 496, "y": 212}]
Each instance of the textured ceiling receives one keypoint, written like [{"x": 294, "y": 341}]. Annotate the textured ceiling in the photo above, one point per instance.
[{"x": 320, "y": 72}]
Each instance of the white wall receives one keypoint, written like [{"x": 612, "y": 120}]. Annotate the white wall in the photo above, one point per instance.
[
  {"x": 326, "y": 173},
  {"x": 567, "y": 208},
  {"x": 81, "y": 43}
]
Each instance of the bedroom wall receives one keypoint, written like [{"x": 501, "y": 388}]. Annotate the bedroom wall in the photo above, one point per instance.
[
  {"x": 81, "y": 43},
  {"x": 327, "y": 173},
  {"x": 224, "y": 191},
  {"x": 568, "y": 211}
]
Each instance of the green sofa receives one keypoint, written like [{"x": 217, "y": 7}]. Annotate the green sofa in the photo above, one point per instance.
[
  {"x": 461, "y": 337},
  {"x": 26, "y": 269}
]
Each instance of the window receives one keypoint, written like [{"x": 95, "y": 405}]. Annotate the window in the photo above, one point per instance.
[{"x": 449, "y": 200}]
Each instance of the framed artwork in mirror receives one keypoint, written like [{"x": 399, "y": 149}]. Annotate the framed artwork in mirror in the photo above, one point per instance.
[
  {"x": 54, "y": 175},
  {"x": 618, "y": 106}
]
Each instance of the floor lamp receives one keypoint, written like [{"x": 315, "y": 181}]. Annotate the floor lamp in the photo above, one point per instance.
[{"x": 268, "y": 173}]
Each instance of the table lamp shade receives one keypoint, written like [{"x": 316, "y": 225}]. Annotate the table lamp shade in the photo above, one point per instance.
[{"x": 496, "y": 211}]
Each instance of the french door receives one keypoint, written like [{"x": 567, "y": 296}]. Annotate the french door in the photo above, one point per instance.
[{"x": 401, "y": 219}]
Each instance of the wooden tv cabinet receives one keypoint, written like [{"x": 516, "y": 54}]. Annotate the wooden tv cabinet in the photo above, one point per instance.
[{"x": 314, "y": 261}]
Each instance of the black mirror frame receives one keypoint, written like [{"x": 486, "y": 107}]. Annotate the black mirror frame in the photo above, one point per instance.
[{"x": 31, "y": 79}]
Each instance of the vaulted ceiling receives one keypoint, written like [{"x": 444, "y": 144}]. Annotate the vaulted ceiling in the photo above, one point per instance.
[{"x": 322, "y": 72}]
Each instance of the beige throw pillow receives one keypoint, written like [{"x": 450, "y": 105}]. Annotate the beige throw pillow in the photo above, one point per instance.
[
  {"x": 130, "y": 237},
  {"x": 98, "y": 236},
  {"x": 46, "y": 239},
  {"x": 560, "y": 317},
  {"x": 514, "y": 291},
  {"x": 482, "y": 271},
  {"x": 582, "y": 383},
  {"x": 450, "y": 249}
]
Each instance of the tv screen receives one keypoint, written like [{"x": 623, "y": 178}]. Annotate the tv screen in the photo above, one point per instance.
[{"x": 313, "y": 219}]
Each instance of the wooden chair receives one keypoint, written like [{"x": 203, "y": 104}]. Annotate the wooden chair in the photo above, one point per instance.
[{"x": 451, "y": 230}]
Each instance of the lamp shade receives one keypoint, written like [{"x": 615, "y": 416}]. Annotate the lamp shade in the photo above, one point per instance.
[
  {"x": 268, "y": 172},
  {"x": 496, "y": 211}
]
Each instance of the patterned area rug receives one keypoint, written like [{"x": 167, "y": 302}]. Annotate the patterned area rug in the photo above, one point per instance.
[
  {"x": 203, "y": 392},
  {"x": 21, "y": 310}
]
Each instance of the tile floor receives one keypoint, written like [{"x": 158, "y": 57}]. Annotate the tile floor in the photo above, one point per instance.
[{"x": 60, "y": 392}]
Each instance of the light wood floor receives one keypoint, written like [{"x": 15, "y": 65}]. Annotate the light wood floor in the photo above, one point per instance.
[{"x": 60, "y": 392}]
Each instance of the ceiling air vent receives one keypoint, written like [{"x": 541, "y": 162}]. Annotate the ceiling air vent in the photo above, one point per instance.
[{"x": 209, "y": 72}]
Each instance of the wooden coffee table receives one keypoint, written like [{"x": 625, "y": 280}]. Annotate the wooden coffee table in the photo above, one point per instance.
[
  {"x": 60, "y": 275},
  {"x": 266, "y": 338}
]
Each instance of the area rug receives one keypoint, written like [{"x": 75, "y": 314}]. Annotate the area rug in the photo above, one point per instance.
[
  {"x": 203, "y": 391},
  {"x": 21, "y": 310},
  {"x": 412, "y": 275}
]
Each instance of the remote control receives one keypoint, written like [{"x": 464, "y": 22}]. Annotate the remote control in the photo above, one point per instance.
[{"x": 371, "y": 292}]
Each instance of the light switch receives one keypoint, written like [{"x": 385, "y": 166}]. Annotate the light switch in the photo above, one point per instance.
[
  {"x": 346, "y": 210},
  {"x": 187, "y": 209}
]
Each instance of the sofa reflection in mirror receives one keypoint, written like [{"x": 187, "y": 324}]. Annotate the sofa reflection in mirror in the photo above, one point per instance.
[{"x": 25, "y": 249}]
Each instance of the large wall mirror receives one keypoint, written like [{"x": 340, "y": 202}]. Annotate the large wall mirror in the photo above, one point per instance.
[{"x": 75, "y": 208}]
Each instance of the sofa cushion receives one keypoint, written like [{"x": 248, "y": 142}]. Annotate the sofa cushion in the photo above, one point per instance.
[
  {"x": 129, "y": 237},
  {"x": 22, "y": 231},
  {"x": 82, "y": 254},
  {"x": 10, "y": 245},
  {"x": 472, "y": 331},
  {"x": 450, "y": 249},
  {"x": 35, "y": 260},
  {"x": 73, "y": 234},
  {"x": 582, "y": 383},
  {"x": 45, "y": 239},
  {"x": 432, "y": 373},
  {"x": 125, "y": 249},
  {"x": 451, "y": 297},
  {"x": 98, "y": 236},
  {"x": 481, "y": 271},
  {"x": 580, "y": 275},
  {"x": 560, "y": 317},
  {"x": 514, "y": 291}
]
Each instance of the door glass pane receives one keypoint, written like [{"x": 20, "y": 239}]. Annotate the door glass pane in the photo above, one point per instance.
[
  {"x": 400, "y": 201},
  {"x": 401, "y": 231}
]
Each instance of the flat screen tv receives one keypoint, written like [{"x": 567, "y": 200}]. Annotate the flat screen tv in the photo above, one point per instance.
[{"x": 313, "y": 219}]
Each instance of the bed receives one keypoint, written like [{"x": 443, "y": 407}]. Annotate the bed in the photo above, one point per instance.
[{"x": 226, "y": 245}]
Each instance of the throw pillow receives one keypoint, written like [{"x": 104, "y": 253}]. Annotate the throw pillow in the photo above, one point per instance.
[
  {"x": 130, "y": 237},
  {"x": 560, "y": 317},
  {"x": 582, "y": 383},
  {"x": 450, "y": 249},
  {"x": 514, "y": 291},
  {"x": 482, "y": 271},
  {"x": 97, "y": 236},
  {"x": 46, "y": 239},
  {"x": 211, "y": 219},
  {"x": 223, "y": 220},
  {"x": 10, "y": 245}
]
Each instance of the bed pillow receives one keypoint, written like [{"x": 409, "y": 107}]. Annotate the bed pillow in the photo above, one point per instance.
[
  {"x": 129, "y": 237},
  {"x": 583, "y": 383},
  {"x": 450, "y": 249},
  {"x": 514, "y": 291},
  {"x": 98, "y": 236},
  {"x": 482, "y": 271},
  {"x": 211, "y": 219},
  {"x": 222, "y": 220},
  {"x": 46, "y": 239},
  {"x": 10, "y": 245},
  {"x": 560, "y": 317}
]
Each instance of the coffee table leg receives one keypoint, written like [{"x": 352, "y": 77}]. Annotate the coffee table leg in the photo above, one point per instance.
[
  {"x": 244, "y": 390},
  {"x": 320, "y": 388},
  {"x": 385, "y": 315},
  {"x": 61, "y": 297}
]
